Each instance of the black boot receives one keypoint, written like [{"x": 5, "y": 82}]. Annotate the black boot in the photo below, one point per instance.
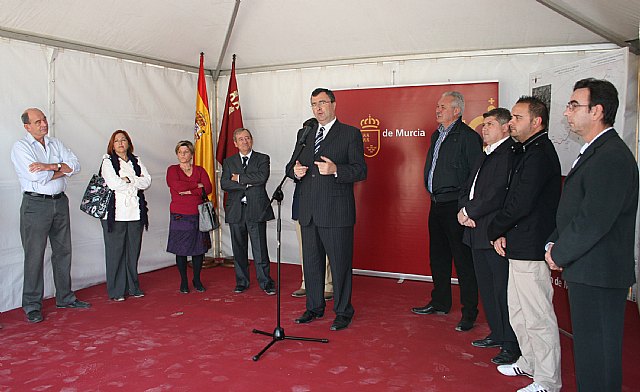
[
  {"x": 196, "y": 261},
  {"x": 181, "y": 262}
]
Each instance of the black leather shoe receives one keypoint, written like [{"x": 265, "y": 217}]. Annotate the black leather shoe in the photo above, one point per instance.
[
  {"x": 506, "y": 357},
  {"x": 307, "y": 317},
  {"x": 239, "y": 289},
  {"x": 485, "y": 343},
  {"x": 341, "y": 322},
  {"x": 428, "y": 309},
  {"x": 34, "y": 316},
  {"x": 77, "y": 304},
  {"x": 464, "y": 325},
  {"x": 184, "y": 288},
  {"x": 270, "y": 289}
]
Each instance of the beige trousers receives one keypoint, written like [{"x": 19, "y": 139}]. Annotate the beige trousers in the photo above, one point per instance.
[
  {"x": 328, "y": 281},
  {"x": 530, "y": 300}
]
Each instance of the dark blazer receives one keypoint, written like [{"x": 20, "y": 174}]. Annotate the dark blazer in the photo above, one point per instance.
[
  {"x": 594, "y": 239},
  {"x": 252, "y": 184},
  {"x": 489, "y": 194},
  {"x": 528, "y": 215},
  {"x": 458, "y": 153},
  {"x": 329, "y": 200}
]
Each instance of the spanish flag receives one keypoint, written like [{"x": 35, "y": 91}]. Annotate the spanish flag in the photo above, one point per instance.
[
  {"x": 202, "y": 132},
  {"x": 231, "y": 118}
]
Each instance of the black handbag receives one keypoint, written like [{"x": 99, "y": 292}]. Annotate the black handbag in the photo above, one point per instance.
[
  {"x": 207, "y": 218},
  {"x": 97, "y": 196}
]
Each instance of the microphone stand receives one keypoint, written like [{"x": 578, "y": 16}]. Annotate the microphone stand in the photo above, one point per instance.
[{"x": 278, "y": 333}]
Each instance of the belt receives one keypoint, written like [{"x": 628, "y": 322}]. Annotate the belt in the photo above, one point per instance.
[
  {"x": 34, "y": 194},
  {"x": 444, "y": 198}
]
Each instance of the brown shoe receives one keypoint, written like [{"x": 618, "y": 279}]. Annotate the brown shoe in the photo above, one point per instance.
[
  {"x": 328, "y": 295},
  {"x": 299, "y": 293}
]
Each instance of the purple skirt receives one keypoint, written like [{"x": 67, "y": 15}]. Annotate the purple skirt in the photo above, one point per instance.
[{"x": 184, "y": 237}]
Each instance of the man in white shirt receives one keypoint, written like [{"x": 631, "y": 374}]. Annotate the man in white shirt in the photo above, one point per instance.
[{"x": 43, "y": 164}]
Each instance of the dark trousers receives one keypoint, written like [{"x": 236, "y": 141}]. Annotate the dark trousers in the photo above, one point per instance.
[
  {"x": 445, "y": 235},
  {"x": 42, "y": 219},
  {"x": 492, "y": 273},
  {"x": 318, "y": 243},
  {"x": 240, "y": 235},
  {"x": 121, "y": 252},
  {"x": 597, "y": 320}
]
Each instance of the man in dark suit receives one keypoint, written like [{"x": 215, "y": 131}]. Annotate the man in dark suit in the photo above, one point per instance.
[
  {"x": 331, "y": 161},
  {"x": 247, "y": 209},
  {"x": 593, "y": 244},
  {"x": 480, "y": 200},
  {"x": 455, "y": 147},
  {"x": 519, "y": 232}
]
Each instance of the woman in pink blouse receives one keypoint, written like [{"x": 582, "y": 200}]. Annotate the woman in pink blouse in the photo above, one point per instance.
[{"x": 187, "y": 182}]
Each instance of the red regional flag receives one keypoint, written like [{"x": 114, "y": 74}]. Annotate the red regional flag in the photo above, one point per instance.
[
  {"x": 202, "y": 133},
  {"x": 231, "y": 118}
]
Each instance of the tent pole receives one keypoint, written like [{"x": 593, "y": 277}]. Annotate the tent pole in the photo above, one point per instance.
[{"x": 20, "y": 36}]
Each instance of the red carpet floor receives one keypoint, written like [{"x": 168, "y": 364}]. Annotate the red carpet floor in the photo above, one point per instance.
[{"x": 169, "y": 341}]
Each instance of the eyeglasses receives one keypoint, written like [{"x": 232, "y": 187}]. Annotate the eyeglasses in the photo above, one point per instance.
[
  {"x": 573, "y": 105},
  {"x": 319, "y": 103}
]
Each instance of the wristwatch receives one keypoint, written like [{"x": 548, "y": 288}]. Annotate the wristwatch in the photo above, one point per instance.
[{"x": 59, "y": 167}]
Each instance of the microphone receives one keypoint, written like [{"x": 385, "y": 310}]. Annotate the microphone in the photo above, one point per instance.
[{"x": 308, "y": 126}]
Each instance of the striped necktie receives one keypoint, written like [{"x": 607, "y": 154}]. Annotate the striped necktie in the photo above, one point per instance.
[
  {"x": 244, "y": 163},
  {"x": 319, "y": 138}
]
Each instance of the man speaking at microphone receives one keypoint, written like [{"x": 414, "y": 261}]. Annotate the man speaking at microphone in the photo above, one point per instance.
[{"x": 331, "y": 161}]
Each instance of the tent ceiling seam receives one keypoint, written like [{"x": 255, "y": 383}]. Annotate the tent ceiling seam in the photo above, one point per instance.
[
  {"x": 227, "y": 38},
  {"x": 590, "y": 25},
  {"x": 426, "y": 56}
]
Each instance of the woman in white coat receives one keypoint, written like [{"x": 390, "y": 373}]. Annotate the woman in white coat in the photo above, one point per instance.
[{"x": 127, "y": 216}]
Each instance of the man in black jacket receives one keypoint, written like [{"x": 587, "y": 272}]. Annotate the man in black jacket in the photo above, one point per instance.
[
  {"x": 594, "y": 242},
  {"x": 519, "y": 232},
  {"x": 455, "y": 147},
  {"x": 480, "y": 200},
  {"x": 331, "y": 162}
]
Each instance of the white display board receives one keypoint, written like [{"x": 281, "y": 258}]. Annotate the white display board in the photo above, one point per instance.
[{"x": 555, "y": 85}]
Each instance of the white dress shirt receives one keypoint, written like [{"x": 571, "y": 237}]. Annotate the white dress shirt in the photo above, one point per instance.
[{"x": 28, "y": 150}]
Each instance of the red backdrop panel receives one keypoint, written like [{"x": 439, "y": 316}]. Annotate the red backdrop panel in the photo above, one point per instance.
[{"x": 392, "y": 204}]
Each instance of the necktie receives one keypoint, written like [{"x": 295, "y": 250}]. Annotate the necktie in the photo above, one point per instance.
[
  {"x": 319, "y": 137},
  {"x": 576, "y": 161},
  {"x": 244, "y": 163}
]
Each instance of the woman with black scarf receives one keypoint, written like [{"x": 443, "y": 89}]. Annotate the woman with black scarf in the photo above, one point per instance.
[{"x": 126, "y": 217}]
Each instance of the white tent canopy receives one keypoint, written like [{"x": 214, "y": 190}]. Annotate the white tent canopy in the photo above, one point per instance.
[
  {"x": 275, "y": 33},
  {"x": 95, "y": 67}
]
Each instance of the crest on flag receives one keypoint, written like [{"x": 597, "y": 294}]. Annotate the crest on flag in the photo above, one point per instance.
[{"x": 201, "y": 125}]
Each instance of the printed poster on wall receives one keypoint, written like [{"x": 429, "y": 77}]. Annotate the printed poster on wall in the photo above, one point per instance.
[{"x": 392, "y": 205}]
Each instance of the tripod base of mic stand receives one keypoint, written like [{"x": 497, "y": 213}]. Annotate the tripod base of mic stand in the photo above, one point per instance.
[{"x": 278, "y": 334}]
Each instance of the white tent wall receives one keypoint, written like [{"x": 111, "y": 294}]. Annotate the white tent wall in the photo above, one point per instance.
[
  {"x": 275, "y": 103},
  {"x": 89, "y": 97}
]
